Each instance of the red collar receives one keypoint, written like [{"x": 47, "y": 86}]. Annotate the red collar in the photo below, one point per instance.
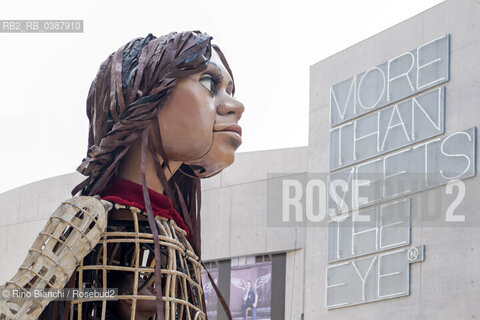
[{"x": 131, "y": 194}]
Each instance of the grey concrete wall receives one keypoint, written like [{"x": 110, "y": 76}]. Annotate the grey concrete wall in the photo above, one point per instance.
[
  {"x": 234, "y": 206},
  {"x": 445, "y": 285},
  {"x": 234, "y": 217},
  {"x": 24, "y": 212}
]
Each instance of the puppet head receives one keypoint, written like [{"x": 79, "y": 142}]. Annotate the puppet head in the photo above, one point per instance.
[{"x": 180, "y": 88}]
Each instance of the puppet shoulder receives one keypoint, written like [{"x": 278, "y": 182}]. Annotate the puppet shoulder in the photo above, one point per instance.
[{"x": 70, "y": 234}]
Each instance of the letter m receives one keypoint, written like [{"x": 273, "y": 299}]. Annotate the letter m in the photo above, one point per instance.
[{"x": 342, "y": 97}]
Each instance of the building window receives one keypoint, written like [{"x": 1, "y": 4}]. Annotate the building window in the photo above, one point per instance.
[{"x": 247, "y": 283}]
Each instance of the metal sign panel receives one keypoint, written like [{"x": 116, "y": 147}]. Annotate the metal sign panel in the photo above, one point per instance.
[
  {"x": 411, "y": 170},
  {"x": 379, "y": 277},
  {"x": 388, "y": 227},
  {"x": 360, "y": 134},
  {"x": 398, "y": 78},
  {"x": 400, "y": 125}
]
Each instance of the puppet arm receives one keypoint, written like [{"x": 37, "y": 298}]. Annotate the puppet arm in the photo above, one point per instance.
[{"x": 69, "y": 235}]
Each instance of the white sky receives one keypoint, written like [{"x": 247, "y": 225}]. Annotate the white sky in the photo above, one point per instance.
[{"x": 270, "y": 46}]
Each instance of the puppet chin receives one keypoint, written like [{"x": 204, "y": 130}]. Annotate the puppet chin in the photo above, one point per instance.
[{"x": 220, "y": 156}]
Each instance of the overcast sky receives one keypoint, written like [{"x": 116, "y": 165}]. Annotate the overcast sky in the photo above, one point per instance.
[{"x": 270, "y": 46}]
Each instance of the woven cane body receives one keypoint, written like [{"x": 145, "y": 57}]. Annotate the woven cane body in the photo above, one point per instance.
[
  {"x": 126, "y": 251},
  {"x": 71, "y": 233}
]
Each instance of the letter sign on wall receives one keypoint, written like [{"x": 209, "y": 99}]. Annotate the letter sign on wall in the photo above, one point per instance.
[{"x": 397, "y": 106}]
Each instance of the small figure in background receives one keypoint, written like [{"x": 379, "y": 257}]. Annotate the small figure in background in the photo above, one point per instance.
[{"x": 250, "y": 299}]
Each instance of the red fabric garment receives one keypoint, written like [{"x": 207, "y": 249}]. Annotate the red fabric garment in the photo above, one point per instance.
[{"x": 131, "y": 194}]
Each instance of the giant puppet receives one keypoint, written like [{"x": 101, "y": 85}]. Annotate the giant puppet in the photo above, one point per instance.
[{"x": 162, "y": 115}]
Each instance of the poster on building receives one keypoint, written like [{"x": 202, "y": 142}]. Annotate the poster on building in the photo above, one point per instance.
[
  {"x": 251, "y": 287},
  {"x": 211, "y": 299}
]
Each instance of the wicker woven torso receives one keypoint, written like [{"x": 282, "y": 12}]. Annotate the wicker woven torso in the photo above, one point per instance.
[{"x": 125, "y": 252}]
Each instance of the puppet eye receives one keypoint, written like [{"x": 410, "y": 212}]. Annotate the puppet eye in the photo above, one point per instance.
[
  {"x": 208, "y": 83},
  {"x": 211, "y": 82}
]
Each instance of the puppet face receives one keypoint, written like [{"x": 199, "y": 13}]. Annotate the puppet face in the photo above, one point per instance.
[{"x": 198, "y": 124}]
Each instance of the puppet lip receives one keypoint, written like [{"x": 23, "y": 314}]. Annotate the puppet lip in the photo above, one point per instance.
[{"x": 233, "y": 128}]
